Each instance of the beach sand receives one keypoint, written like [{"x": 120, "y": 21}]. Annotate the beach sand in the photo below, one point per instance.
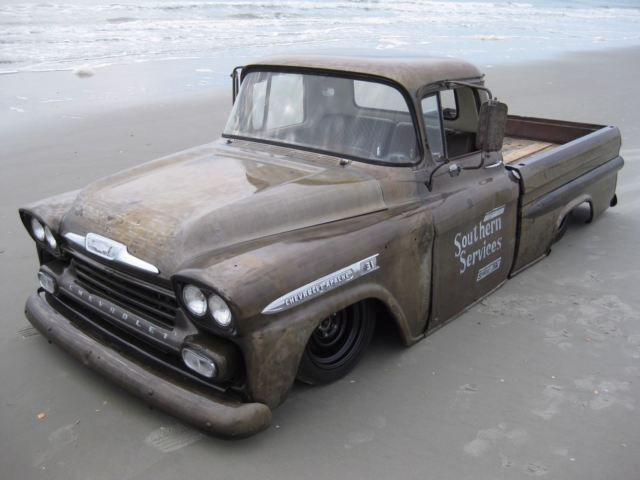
[{"x": 540, "y": 379}]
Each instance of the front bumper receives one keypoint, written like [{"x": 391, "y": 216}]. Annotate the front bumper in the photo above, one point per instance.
[{"x": 213, "y": 414}]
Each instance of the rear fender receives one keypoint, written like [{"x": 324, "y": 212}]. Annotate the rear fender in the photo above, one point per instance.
[
  {"x": 566, "y": 210},
  {"x": 542, "y": 218}
]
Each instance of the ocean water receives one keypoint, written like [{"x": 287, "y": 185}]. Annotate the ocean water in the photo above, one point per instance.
[
  {"x": 44, "y": 35},
  {"x": 68, "y": 60}
]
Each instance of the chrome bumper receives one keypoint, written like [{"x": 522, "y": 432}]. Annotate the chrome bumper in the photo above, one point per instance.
[{"x": 213, "y": 414}]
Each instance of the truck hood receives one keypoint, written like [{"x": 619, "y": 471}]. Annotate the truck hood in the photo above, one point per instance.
[{"x": 175, "y": 209}]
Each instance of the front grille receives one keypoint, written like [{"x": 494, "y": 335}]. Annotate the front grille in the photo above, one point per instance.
[
  {"x": 134, "y": 348},
  {"x": 151, "y": 302}
]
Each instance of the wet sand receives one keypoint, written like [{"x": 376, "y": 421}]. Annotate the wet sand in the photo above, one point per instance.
[{"x": 540, "y": 379}]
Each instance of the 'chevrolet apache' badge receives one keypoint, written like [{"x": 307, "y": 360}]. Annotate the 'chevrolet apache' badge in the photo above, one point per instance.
[{"x": 323, "y": 285}]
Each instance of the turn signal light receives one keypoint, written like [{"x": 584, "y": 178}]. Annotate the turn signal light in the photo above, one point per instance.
[
  {"x": 48, "y": 283},
  {"x": 199, "y": 362}
]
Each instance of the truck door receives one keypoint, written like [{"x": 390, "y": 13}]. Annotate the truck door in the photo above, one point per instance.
[{"x": 475, "y": 211}]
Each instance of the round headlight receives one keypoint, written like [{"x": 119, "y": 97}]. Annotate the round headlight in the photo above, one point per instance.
[
  {"x": 51, "y": 240},
  {"x": 38, "y": 229},
  {"x": 219, "y": 311},
  {"x": 194, "y": 300}
]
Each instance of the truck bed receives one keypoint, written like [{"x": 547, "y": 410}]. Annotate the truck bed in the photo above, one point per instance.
[
  {"x": 526, "y": 136},
  {"x": 514, "y": 148},
  {"x": 560, "y": 166},
  {"x": 550, "y": 153}
]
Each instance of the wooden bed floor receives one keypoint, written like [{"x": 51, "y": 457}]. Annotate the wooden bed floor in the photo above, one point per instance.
[{"x": 514, "y": 149}]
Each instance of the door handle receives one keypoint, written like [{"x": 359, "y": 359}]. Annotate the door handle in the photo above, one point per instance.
[{"x": 494, "y": 165}]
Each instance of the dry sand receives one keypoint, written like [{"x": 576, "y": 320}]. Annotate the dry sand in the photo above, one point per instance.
[{"x": 540, "y": 379}]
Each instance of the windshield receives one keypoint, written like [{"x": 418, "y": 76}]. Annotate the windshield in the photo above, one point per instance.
[{"x": 337, "y": 115}]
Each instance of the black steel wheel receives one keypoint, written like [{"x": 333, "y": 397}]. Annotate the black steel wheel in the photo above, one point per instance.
[{"x": 337, "y": 344}]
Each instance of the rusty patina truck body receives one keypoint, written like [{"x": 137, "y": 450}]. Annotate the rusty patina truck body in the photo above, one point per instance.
[{"x": 343, "y": 192}]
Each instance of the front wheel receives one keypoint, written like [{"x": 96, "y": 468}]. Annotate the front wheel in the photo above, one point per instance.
[{"x": 337, "y": 344}]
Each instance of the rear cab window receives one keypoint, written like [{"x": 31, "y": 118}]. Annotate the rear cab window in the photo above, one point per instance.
[{"x": 378, "y": 97}]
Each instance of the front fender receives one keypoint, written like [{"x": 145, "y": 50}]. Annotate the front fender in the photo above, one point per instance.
[
  {"x": 273, "y": 353},
  {"x": 50, "y": 210},
  {"x": 261, "y": 272}
]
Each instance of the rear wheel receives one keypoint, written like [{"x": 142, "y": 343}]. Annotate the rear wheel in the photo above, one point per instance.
[
  {"x": 562, "y": 229},
  {"x": 337, "y": 344}
]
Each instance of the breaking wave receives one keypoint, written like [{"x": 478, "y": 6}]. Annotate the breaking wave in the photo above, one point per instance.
[{"x": 53, "y": 36}]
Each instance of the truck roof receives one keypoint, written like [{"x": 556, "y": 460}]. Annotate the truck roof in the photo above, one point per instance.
[{"x": 410, "y": 72}]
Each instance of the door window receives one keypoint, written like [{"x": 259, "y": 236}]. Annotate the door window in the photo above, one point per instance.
[
  {"x": 449, "y": 101},
  {"x": 460, "y": 120},
  {"x": 433, "y": 126}
]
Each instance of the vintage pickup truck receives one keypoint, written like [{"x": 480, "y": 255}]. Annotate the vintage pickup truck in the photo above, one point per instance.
[{"x": 344, "y": 192}]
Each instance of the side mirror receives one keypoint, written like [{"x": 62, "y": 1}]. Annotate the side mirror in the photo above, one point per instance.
[
  {"x": 235, "y": 83},
  {"x": 491, "y": 126}
]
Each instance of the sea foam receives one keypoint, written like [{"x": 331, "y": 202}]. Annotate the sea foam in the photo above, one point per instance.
[{"x": 55, "y": 36}]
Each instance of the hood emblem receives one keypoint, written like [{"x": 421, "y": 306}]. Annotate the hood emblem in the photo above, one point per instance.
[
  {"x": 323, "y": 285},
  {"x": 102, "y": 247},
  {"x": 110, "y": 250}
]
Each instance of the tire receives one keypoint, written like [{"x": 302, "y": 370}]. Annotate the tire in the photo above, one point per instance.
[
  {"x": 562, "y": 229},
  {"x": 337, "y": 344}
]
